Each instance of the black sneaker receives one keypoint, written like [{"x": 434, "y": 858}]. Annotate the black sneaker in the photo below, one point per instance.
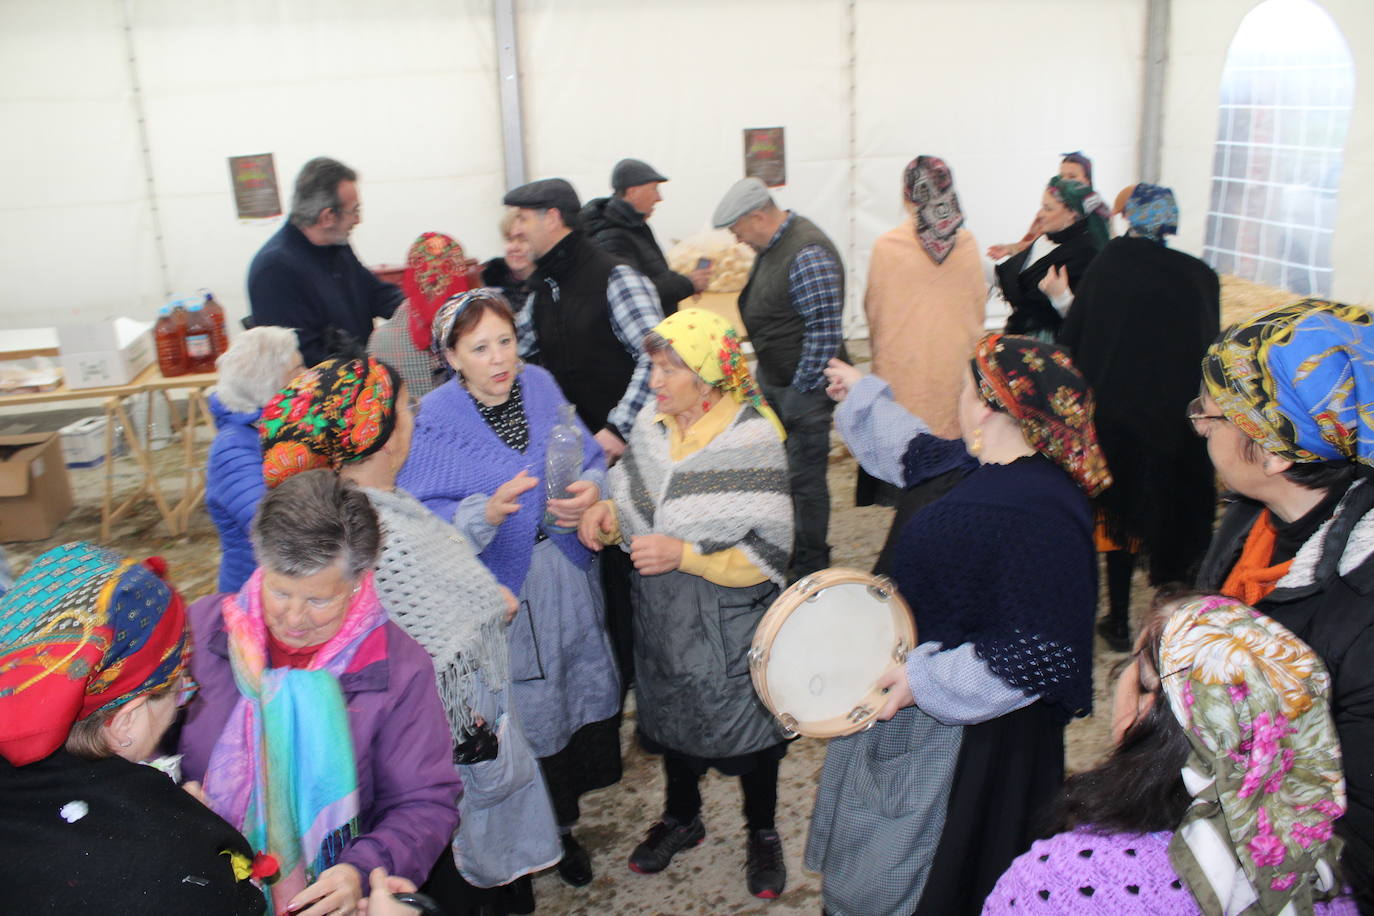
[
  {"x": 575, "y": 868},
  {"x": 764, "y": 867},
  {"x": 664, "y": 840}
]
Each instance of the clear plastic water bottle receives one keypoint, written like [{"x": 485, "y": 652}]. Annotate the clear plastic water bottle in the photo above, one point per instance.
[{"x": 563, "y": 462}]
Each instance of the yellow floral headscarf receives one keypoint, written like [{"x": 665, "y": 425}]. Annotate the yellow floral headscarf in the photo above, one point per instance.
[{"x": 709, "y": 346}]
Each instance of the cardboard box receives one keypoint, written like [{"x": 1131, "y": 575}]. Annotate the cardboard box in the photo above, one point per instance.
[
  {"x": 83, "y": 442},
  {"x": 103, "y": 353},
  {"x": 35, "y": 495}
]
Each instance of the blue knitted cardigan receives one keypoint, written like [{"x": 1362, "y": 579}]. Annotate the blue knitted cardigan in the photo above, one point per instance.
[
  {"x": 233, "y": 488},
  {"x": 455, "y": 453}
]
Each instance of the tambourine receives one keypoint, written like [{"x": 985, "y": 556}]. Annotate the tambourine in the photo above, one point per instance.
[{"x": 820, "y": 649}]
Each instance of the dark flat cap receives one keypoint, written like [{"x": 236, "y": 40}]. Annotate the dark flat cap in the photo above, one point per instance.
[
  {"x": 544, "y": 194},
  {"x": 630, "y": 172}
]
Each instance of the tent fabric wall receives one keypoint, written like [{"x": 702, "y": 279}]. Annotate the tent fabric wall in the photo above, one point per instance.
[{"x": 1200, "y": 35}]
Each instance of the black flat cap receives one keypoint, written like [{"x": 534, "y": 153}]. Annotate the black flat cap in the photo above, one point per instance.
[
  {"x": 544, "y": 194},
  {"x": 631, "y": 172}
]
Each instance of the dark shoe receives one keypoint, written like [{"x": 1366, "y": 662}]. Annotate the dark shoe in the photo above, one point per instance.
[
  {"x": 1116, "y": 635},
  {"x": 664, "y": 840},
  {"x": 764, "y": 866},
  {"x": 575, "y": 867}
]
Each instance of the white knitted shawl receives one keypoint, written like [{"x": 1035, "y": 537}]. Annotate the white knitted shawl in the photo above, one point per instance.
[
  {"x": 734, "y": 492},
  {"x": 432, "y": 584}
]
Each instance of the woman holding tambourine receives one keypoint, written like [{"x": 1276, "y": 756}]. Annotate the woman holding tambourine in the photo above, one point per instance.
[
  {"x": 924, "y": 811},
  {"x": 701, "y": 502}
]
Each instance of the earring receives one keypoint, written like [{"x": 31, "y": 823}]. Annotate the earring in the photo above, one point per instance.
[
  {"x": 975, "y": 448},
  {"x": 127, "y": 742}
]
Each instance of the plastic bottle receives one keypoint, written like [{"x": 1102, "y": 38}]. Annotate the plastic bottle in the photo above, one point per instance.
[
  {"x": 171, "y": 344},
  {"x": 200, "y": 339},
  {"x": 563, "y": 462},
  {"x": 216, "y": 313}
]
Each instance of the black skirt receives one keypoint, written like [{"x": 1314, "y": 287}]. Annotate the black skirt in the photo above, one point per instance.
[
  {"x": 1009, "y": 771},
  {"x": 591, "y": 760}
]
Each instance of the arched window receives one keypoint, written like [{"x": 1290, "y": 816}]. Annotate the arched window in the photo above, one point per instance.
[{"x": 1286, "y": 95}]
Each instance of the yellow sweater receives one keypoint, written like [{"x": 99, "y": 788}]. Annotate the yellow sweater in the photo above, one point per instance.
[{"x": 730, "y": 567}]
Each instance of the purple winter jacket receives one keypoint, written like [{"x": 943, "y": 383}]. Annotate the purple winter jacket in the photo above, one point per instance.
[{"x": 408, "y": 787}]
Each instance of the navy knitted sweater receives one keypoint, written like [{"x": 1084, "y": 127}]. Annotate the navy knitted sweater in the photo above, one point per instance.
[{"x": 1006, "y": 561}]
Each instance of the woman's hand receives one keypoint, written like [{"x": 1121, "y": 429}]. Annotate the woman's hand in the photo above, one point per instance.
[
  {"x": 998, "y": 252},
  {"x": 338, "y": 889},
  {"x": 655, "y": 554},
  {"x": 597, "y": 520},
  {"x": 568, "y": 512},
  {"x": 840, "y": 377},
  {"x": 898, "y": 692},
  {"x": 512, "y": 602},
  {"x": 381, "y": 903},
  {"x": 506, "y": 499},
  {"x": 1055, "y": 283}
]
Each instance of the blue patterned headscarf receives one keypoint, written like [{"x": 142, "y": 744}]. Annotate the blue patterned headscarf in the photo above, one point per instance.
[
  {"x": 1152, "y": 212},
  {"x": 1299, "y": 380}
]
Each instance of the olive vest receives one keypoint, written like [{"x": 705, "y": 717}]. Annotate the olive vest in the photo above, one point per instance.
[{"x": 765, "y": 304}]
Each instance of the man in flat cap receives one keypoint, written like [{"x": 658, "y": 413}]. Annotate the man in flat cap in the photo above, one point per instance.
[
  {"x": 620, "y": 224},
  {"x": 792, "y": 308},
  {"x": 307, "y": 277}
]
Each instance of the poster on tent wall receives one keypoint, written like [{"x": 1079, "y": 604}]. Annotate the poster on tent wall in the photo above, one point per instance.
[
  {"x": 765, "y": 155},
  {"x": 255, "y": 186}
]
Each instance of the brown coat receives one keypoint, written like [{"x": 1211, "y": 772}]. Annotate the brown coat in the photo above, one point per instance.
[{"x": 923, "y": 321}]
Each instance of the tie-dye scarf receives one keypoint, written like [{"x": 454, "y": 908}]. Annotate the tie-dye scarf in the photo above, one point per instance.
[
  {"x": 1265, "y": 768},
  {"x": 293, "y": 722}
]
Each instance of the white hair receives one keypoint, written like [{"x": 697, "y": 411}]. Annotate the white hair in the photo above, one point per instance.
[{"x": 251, "y": 370}]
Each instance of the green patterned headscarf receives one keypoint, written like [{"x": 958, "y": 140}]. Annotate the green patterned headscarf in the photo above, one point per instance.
[
  {"x": 1265, "y": 769},
  {"x": 1086, "y": 204}
]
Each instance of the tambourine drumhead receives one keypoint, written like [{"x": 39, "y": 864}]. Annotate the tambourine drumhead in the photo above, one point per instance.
[{"x": 823, "y": 644}]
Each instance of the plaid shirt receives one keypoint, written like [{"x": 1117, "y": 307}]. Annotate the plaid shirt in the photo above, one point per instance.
[
  {"x": 634, "y": 311},
  {"x": 813, "y": 282}
]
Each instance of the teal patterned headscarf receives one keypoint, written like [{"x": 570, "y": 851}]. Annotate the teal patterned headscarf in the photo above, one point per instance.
[
  {"x": 1086, "y": 204},
  {"x": 1265, "y": 768}
]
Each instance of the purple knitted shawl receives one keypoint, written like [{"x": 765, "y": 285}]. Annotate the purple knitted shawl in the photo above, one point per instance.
[{"x": 455, "y": 454}]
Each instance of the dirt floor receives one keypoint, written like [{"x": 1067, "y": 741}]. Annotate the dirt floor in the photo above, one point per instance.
[{"x": 709, "y": 879}]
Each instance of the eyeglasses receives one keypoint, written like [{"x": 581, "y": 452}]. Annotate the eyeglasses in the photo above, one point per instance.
[{"x": 1202, "y": 422}]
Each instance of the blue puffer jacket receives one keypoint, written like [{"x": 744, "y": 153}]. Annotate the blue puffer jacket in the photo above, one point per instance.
[{"x": 233, "y": 487}]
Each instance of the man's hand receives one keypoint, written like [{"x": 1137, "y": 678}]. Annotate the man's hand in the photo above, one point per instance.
[
  {"x": 568, "y": 512},
  {"x": 506, "y": 499},
  {"x": 338, "y": 889},
  {"x": 611, "y": 444},
  {"x": 599, "y": 519},
  {"x": 655, "y": 554},
  {"x": 701, "y": 278},
  {"x": 898, "y": 692}
]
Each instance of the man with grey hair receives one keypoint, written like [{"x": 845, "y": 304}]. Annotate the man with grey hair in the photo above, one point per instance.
[
  {"x": 307, "y": 277},
  {"x": 792, "y": 308},
  {"x": 620, "y": 225}
]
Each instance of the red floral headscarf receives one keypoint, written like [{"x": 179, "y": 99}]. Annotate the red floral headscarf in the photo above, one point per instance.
[
  {"x": 338, "y": 411},
  {"x": 436, "y": 270}
]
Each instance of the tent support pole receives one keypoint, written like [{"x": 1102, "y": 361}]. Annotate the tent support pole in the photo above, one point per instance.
[
  {"x": 145, "y": 152},
  {"x": 508, "y": 76},
  {"x": 1152, "y": 105}
]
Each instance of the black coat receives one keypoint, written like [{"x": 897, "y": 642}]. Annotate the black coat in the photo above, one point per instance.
[
  {"x": 1031, "y": 310},
  {"x": 137, "y": 844},
  {"x": 624, "y": 232},
  {"x": 1142, "y": 318},
  {"x": 1327, "y": 600}
]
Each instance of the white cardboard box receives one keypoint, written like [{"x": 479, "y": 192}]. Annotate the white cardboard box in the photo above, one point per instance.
[
  {"x": 105, "y": 352},
  {"x": 83, "y": 442}
]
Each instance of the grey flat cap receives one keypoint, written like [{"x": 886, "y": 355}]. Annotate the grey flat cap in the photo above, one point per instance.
[
  {"x": 631, "y": 172},
  {"x": 744, "y": 196},
  {"x": 544, "y": 194}
]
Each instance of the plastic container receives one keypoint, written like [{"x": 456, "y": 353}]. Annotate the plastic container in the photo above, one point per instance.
[
  {"x": 200, "y": 339},
  {"x": 562, "y": 462},
  {"x": 216, "y": 313},
  {"x": 170, "y": 338}
]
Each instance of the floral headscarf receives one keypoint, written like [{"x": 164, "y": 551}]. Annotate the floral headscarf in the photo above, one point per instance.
[
  {"x": 436, "y": 270},
  {"x": 336, "y": 412},
  {"x": 929, "y": 187},
  {"x": 1086, "y": 204},
  {"x": 709, "y": 346},
  {"x": 82, "y": 632},
  {"x": 1037, "y": 385},
  {"x": 1299, "y": 380},
  {"x": 1265, "y": 768},
  {"x": 1151, "y": 211}
]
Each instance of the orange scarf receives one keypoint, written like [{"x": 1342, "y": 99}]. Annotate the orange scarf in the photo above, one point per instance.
[{"x": 1252, "y": 579}]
